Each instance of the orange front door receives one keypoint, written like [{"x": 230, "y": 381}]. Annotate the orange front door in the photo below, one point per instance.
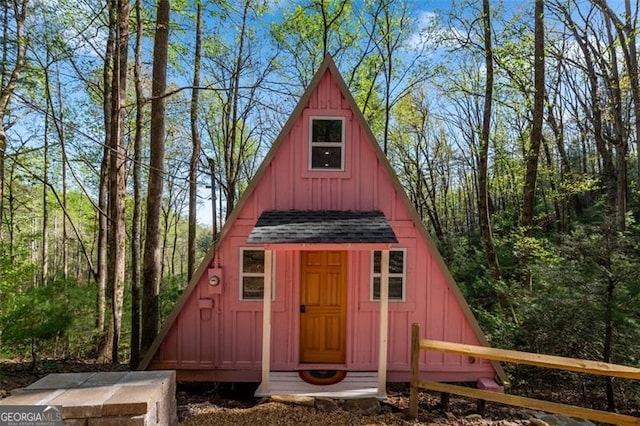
[{"x": 323, "y": 306}]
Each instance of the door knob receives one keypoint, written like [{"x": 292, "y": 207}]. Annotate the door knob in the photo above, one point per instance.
[{"x": 303, "y": 309}]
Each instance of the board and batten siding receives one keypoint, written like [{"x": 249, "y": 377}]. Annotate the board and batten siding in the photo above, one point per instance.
[{"x": 221, "y": 332}]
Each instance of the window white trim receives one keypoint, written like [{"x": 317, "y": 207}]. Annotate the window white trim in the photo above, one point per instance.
[
  {"x": 392, "y": 275},
  {"x": 242, "y": 274},
  {"x": 313, "y": 144}
]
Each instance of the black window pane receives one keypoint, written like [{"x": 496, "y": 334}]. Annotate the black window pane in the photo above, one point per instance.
[
  {"x": 326, "y": 131},
  {"x": 335, "y": 131},
  {"x": 395, "y": 288},
  {"x": 326, "y": 157},
  {"x": 376, "y": 262},
  {"x": 396, "y": 262},
  {"x": 253, "y": 261},
  {"x": 252, "y": 287}
]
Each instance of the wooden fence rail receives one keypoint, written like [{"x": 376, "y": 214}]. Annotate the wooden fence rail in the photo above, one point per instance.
[{"x": 547, "y": 361}]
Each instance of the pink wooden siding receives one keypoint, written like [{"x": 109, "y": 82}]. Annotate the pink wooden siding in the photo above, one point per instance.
[{"x": 220, "y": 331}]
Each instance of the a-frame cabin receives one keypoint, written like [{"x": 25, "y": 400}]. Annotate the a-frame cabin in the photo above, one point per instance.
[{"x": 323, "y": 265}]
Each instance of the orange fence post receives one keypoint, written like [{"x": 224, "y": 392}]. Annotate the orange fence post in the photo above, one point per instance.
[{"x": 415, "y": 371}]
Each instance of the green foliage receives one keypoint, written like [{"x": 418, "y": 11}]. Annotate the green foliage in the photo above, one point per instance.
[
  {"x": 36, "y": 315},
  {"x": 594, "y": 286},
  {"x": 170, "y": 289},
  {"x": 301, "y": 33}
]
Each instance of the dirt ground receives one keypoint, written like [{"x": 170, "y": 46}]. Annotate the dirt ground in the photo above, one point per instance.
[
  {"x": 226, "y": 406},
  {"x": 233, "y": 404}
]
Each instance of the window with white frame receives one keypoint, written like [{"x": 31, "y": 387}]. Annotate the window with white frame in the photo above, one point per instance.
[
  {"x": 252, "y": 274},
  {"x": 326, "y": 145},
  {"x": 397, "y": 274}
]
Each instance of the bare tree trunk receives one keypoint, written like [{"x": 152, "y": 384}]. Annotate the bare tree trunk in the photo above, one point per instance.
[
  {"x": 117, "y": 171},
  {"x": 607, "y": 169},
  {"x": 388, "y": 75},
  {"x": 166, "y": 224},
  {"x": 195, "y": 153},
  {"x": 137, "y": 196},
  {"x": 12, "y": 213},
  {"x": 6, "y": 91},
  {"x": 617, "y": 134},
  {"x": 557, "y": 205},
  {"x": 558, "y": 134},
  {"x": 152, "y": 260},
  {"x": 531, "y": 175},
  {"x": 634, "y": 77},
  {"x": 214, "y": 207},
  {"x": 175, "y": 242},
  {"x": 483, "y": 160},
  {"x": 627, "y": 34},
  {"x": 103, "y": 196},
  {"x": 44, "y": 273},
  {"x": 607, "y": 347},
  {"x": 63, "y": 153},
  {"x": 58, "y": 121},
  {"x": 233, "y": 166}
]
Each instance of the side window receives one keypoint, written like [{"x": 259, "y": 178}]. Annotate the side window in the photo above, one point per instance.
[
  {"x": 326, "y": 145},
  {"x": 251, "y": 274},
  {"x": 397, "y": 274}
]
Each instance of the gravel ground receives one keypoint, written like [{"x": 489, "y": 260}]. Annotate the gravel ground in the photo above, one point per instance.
[
  {"x": 275, "y": 413},
  {"x": 214, "y": 410}
]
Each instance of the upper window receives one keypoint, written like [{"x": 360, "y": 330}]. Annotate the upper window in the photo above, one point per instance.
[
  {"x": 397, "y": 274},
  {"x": 252, "y": 274},
  {"x": 326, "y": 147}
]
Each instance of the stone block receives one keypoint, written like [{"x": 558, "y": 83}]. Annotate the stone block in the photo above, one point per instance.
[
  {"x": 107, "y": 398},
  {"x": 30, "y": 397},
  {"x": 119, "y": 421},
  {"x": 326, "y": 405},
  {"x": 107, "y": 378},
  {"x": 131, "y": 400},
  {"x": 61, "y": 381},
  {"x": 83, "y": 402},
  {"x": 75, "y": 422},
  {"x": 364, "y": 406},
  {"x": 307, "y": 401},
  {"x": 166, "y": 377},
  {"x": 167, "y": 408},
  {"x": 490, "y": 385}
]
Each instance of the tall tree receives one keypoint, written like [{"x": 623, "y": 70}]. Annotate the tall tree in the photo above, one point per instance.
[
  {"x": 627, "y": 35},
  {"x": 117, "y": 163},
  {"x": 44, "y": 274},
  {"x": 483, "y": 152},
  {"x": 9, "y": 80},
  {"x": 392, "y": 24},
  {"x": 532, "y": 155},
  {"x": 105, "y": 332},
  {"x": 136, "y": 219},
  {"x": 195, "y": 142},
  {"x": 593, "y": 104},
  {"x": 234, "y": 116},
  {"x": 152, "y": 263}
]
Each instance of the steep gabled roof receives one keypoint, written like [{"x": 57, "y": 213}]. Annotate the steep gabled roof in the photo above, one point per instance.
[
  {"x": 322, "y": 227},
  {"x": 328, "y": 65}
]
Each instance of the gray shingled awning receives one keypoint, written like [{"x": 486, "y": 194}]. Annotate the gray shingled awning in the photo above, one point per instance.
[{"x": 322, "y": 227}]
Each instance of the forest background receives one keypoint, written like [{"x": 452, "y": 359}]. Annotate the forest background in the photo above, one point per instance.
[{"x": 129, "y": 130}]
